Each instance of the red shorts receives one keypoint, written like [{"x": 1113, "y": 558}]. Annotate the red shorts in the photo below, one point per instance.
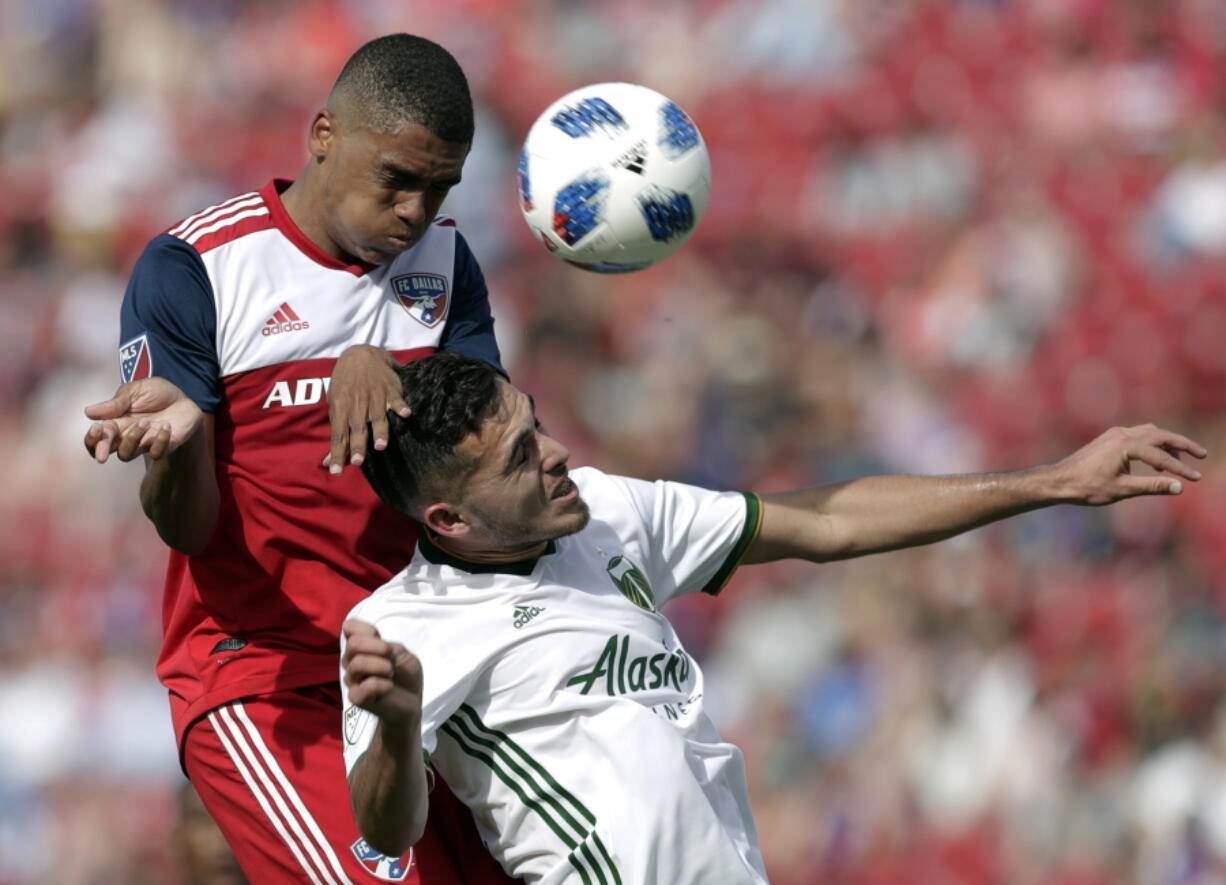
[{"x": 270, "y": 771}]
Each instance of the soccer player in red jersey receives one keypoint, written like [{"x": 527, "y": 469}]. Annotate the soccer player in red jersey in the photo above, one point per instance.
[{"x": 257, "y": 335}]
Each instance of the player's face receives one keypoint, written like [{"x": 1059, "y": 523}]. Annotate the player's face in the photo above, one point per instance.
[
  {"x": 380, "y": 190},
  {"x": 519, "y": 494}
]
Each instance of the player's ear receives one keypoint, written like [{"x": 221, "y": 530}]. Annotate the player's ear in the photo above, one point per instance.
[
  {"x": 444, "y": 519},
  {"x": 323, "y": 134}
]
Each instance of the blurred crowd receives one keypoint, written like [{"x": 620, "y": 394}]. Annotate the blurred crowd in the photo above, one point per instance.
[{"x": 944, "y": 237}]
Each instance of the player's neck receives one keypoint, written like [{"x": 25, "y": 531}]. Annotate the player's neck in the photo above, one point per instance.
[
  {"x": 487, "y": 554},
  {"x": 301, "y": 205}
]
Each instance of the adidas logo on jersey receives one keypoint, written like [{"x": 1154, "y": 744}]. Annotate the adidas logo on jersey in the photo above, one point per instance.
[
  {"x": 284, "y": 320},
  {"x": 524, "y": 614}
]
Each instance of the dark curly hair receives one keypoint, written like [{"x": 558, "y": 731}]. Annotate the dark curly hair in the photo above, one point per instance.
[
  {"x": 399, "y": 79},
  {"x": 451, "y": 396}
]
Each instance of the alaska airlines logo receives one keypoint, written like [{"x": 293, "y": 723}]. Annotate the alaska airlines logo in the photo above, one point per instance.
[
  {"x": 630, "y": 580},
  {"x": 619, "y": 673},
  {"x": 303, "y": 392}
]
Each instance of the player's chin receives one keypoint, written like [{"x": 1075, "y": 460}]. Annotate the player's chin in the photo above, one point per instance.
[
  {"x": 574, "y": 517},
  {"x": 382, "y": 251},
  {"x": 376, "y": 256}
]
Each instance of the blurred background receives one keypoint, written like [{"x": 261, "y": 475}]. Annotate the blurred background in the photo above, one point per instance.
[{"x": 943, "y": 237}]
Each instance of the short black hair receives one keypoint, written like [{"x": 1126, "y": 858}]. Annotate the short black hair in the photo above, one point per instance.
[
  {"x": 451, "y": 395},
  {"x": 400, "y": 79}
]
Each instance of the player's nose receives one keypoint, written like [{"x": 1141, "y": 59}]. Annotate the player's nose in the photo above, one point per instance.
[
  {"x": 411, "y": 210},
  {"x": 554, "y": 455}
]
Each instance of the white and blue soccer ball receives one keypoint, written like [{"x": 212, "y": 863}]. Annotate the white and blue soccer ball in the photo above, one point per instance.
[{"x": 613, "y": 177}]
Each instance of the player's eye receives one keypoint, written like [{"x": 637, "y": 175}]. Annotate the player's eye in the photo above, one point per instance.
[
  {"x": 526, "y": 453},
  {"x": 398, "y": 181}
]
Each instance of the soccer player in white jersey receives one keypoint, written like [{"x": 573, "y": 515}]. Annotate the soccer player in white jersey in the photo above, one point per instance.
[{"x": 523, "y": 650}]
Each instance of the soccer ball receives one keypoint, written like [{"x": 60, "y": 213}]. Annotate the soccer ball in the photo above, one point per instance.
[{"x": 613, "y": 177}]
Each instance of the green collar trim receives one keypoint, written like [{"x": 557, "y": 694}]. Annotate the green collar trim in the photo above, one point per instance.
[{"x": 436, "y": 555}]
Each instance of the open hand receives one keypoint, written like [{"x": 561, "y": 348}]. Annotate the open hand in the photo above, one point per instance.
[
  {"x": 1101, "y": 471},
  {"x": 150, "y": 417},
  {"x": 382, "y": 677},
  {"x": 364, "y": 388}
]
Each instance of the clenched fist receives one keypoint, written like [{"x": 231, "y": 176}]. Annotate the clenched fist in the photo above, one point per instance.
[{"x": 382, "y": 677}]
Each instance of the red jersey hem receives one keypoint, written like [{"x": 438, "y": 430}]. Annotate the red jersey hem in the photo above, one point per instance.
[{"x": 185, "y": 717}]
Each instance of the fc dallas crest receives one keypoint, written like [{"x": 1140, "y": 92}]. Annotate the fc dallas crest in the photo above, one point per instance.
[
  {"x": 389, "y": 869},
  {"x": 424, "y": 296}
]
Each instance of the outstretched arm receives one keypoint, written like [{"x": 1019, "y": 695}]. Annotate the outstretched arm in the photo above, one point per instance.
[
  {"x": 882, "y": 513},
  {"x": 388, "y": 785}
]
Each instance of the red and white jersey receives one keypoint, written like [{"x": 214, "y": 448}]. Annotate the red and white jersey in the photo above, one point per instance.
[{"x": 238, "y": 308}]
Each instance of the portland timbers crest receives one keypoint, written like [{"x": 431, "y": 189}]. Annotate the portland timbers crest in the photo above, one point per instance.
[{"x": 630, "y": 580}]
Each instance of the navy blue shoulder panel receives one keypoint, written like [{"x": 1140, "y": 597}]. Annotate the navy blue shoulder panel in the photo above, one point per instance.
[
  {"x": 168, "y": 321},
  {"x": 470, "y": 327}
]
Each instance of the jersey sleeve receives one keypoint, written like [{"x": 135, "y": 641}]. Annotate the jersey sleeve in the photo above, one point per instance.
[
  {"x": 470, "y": 325},
  {"x": 168, "y": 322},
  {"x": 693, "y": 538},
  {"x": 444, "y": 686}
]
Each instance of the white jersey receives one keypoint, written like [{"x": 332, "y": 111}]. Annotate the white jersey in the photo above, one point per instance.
[{"x": 561, "y": 707}]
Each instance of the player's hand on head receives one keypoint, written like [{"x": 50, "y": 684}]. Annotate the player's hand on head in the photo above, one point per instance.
[
  {"x": 151, "y": 417},
  {"x": 364, "y": 388},
  {"x": 1101, "y": 472},
  {"x": 382, "y": 677}
]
